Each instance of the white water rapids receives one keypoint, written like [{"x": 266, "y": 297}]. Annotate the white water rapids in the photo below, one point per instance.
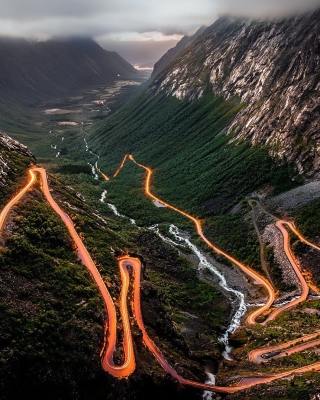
[
  {"x": 94, "y": 172},
  {"x": 103, "y": 196},
  {"x": 285, "y": 302},
  {"x": 204, "y": 263},
  {"x": 210, "y": 381},
  {"x": 116, "y": 212}
]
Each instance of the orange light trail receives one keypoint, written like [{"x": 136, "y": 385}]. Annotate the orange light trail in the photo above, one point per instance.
[
  {"x": 299, "y": 345},
  {"x": 136, "y": 266},
  {"x": 253, "y": 275},
  {"x": 303, "y": 283},
  {"x": 108, "y": 365},
  {"x": 251, "y": 318},
  {"x": 12, "y": 202},
  {"x": 291, "y": 225},
  {"x": 121, "y": 165},
  {"x": 107, "y": 356},
  {"x": 105, "y": 177},
  {"x": 128, "y": 365}
]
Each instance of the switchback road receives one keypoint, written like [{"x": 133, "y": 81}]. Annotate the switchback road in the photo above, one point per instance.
[{"x": 127, "y": 262}]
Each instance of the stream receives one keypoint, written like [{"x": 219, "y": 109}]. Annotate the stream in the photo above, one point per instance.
[
  {"x": 116, "y": 212},
  {"x": 204, "y": 263}
]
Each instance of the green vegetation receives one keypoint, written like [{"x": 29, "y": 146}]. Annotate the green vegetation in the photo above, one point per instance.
[
  {"x": 298, "y": 388},
  {"x": 195, "y": 165},
  {"x": 179, "y": 285},
  {"x": 308, "y": 219},
  {"x": 228, "y": 232},
  {"x": 197, "y": 168},
  {"x": 74, "y": 169},
  {"x": 16, "y": 175},
  {"x": 287, "y": 326},
  {"x": 51, "y": 312}
]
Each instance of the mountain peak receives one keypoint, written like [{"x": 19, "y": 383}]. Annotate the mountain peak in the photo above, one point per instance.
[{"x": 271, "y": 67}]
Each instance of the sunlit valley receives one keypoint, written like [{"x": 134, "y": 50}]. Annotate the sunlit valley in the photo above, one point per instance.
[{"x": 160, "y": 232}]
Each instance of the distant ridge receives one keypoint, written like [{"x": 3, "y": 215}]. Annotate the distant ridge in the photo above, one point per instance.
[{"x": 32, "y": 71}]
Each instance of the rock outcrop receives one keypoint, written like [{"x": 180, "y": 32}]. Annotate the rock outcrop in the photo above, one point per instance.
[
  {"x": 7, "y": 163},
  {"x": 175, "y": 51}
]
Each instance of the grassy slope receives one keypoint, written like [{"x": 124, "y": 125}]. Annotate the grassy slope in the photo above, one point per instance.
[
  {"x": 193, "y": 161},
  {"x": 196, "y": 166}
]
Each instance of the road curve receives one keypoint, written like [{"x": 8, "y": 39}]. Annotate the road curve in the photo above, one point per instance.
[
  {"x": 257, "y": 278},
  {"x": 253, "y": 316},
  {"x": 17, "y": 197},
  {"x": 255, "y": 355},
  {"x": 108, "y": 365},
  {"x": 111, "y": 329},
  {"x": 302, "y": 282},
  {"x": 291, "y": 225},
  {"x": 246, "y": 383}
]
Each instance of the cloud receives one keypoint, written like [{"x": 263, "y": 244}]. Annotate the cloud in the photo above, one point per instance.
[
  {"x": 34, "y": 9},
  {"x": 92, "y": 17},
  {"x": 38, "y": 18},
  {"x": 141, "y": 30},
  {"x": 266, "y": 8}
]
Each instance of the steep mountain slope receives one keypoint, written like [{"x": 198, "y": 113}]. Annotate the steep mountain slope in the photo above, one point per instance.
[
  {"x": 33, "y": 71},
  {"x": 195, "y": 164},
  {"x": 273, "y": 68},
  {"x": 173, "y": 53},
  {"x": 191, "y": 131}
]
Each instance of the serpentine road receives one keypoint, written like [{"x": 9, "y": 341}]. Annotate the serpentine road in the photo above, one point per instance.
[{"x": 109, "y": 346}]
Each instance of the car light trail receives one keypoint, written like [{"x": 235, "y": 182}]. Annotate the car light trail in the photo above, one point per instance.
[{"x": 109, "y": 346}]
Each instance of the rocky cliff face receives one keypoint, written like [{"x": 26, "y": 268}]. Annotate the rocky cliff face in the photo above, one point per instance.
[
  {"x": 10, "y": 152},
  {"x": 175, "y": 51},
  {"x": 272, "y": 67}
]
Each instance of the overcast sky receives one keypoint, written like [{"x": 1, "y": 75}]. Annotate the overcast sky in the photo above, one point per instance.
[{"x": 140, "y": 30}]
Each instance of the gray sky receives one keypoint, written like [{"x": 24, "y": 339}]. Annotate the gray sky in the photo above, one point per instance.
[{"x": 140, "y": 30}]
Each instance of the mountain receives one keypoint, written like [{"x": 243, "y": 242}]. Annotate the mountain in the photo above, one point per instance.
[
  {"x": 270, "y": 67},
  {"x": 172, "y": 53},
  {"x": 33, "y": 71},
  {"x": 241, "y": 83},
  {"x": 233, "y": 119},
  {"x": 207, "y": 123}
]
